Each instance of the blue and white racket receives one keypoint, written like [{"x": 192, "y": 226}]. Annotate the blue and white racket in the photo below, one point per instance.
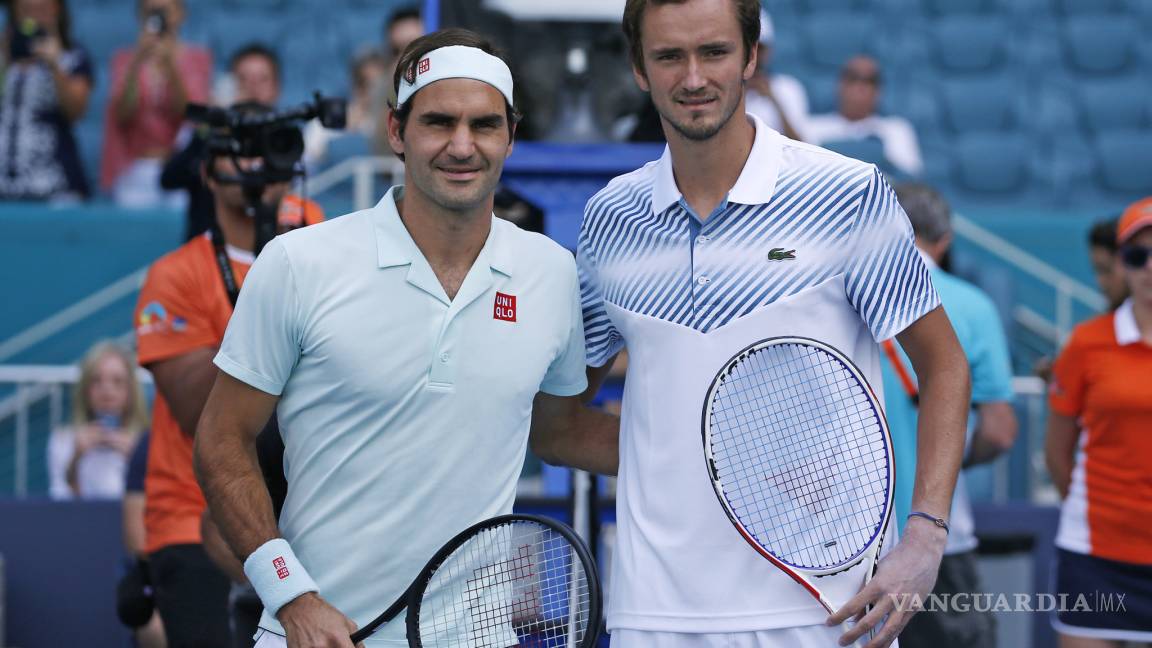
[{"x": 800, "y": 457}]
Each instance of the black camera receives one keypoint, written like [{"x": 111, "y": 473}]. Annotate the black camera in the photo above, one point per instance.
[
  {"x": 256, "y": 131},
  {"x": 156, "y": 22},
  {"x": 24, "y": 37}
]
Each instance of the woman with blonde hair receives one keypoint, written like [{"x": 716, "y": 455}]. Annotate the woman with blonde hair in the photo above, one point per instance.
[{"x": 88, "y": 458}]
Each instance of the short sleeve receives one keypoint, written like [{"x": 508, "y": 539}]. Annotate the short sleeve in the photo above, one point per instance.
[
  {"x": 989, "y": 359},
  {"x": 137, "y": 466},
  {"x": 601, "y": 339},
  {"x": 263, "y": 340},
  {"x": 171, "y": 319},
  {"x": 885, "y": 279},
  {"x": 1066, "y": 392},
  {"x": 76, "y": 62},
  {"x": 566, "y": 375}
]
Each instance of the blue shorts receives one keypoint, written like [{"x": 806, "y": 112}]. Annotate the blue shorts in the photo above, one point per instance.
[{"x": 1105, "y": 599}]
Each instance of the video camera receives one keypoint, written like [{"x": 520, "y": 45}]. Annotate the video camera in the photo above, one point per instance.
[{"x": 258, "y": 132}]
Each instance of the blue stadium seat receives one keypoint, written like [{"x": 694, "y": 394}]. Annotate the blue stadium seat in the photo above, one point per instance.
[
  {"x": 830, "y": 39},
  {"x": 103, "y": 30},
  {"x": 992, "y": 164},
  {"x": 984, "y": 104},
  {"x": 969, "y": 44},
  {"x": 822, "y": 90},
  {"x": 1111, "y": 104},
  {"x": 817, "y": 6},
  {"x": 869, "y": 149},
  {"x": 946, "y": 7},
  {"x": 1100, "y": 44},
  {"x": 1123, "y": 158},
  {"x": 1081, "y": 7},
  {"x": 346, "y": 146}
]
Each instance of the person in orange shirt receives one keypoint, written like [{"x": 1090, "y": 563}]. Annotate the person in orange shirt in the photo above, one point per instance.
[
  {"x": 183, "y": 309},
  {"x": 1099, "y": 452}
]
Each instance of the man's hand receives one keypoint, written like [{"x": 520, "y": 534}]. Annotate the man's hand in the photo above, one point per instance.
[
  {"x": 310, "y": 622},
  {"x": 906, "y": 573}
]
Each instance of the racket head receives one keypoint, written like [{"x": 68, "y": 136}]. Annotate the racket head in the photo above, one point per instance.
[
  {"x": 799, "y": 455},
  {"x": 510, "y": 580}
]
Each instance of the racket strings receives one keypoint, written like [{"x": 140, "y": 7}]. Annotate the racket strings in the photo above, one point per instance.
[
  {"x": 801, "y": 455},
  {"x": 517, "y": 584}
]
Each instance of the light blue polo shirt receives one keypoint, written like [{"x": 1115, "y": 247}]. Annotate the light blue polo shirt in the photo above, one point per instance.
[
  {"x": 405, "y": 415},
  {"x": 981, "y": 335}
]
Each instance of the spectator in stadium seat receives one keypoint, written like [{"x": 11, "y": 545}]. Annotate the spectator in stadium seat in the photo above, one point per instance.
[
  {"x": 860, "y": 83},
  {"x": 255, "y": 69},
  {"x": 779, "y": 100},
  {"x": 88, "y": 458},
  {"x": 152, "y": 84},
  {"x": 992, "y": 425},
  {"x": 45, "y": 82},
  {"x": 1099, "y": 453},
  {"x": 183, "y": 309},
  {"x": 367, "y": 74}
]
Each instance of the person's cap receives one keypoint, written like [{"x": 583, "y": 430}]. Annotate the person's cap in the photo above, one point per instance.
[
  {"x": 1136, "y": 217},
  {"x": 767, "y": 31},
  {"x": 455, "y": 62}
]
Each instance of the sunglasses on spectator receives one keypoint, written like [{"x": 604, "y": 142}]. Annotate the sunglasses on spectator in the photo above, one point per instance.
[{"x": 1135, "y": 256}]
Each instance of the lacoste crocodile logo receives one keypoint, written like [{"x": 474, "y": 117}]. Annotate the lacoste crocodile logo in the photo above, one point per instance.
[{"x": 780, "y": 254}]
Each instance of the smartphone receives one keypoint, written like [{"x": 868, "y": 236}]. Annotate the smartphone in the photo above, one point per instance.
[
  {"x": 24, "y": 37},
  {"x": 156, "y": 22}
]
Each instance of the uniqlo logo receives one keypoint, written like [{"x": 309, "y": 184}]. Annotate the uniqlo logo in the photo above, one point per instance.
[
  {"x": 281, "y": 567},
  {"x": 505, "y": 307},
  {"x": 425, "y": 65}
]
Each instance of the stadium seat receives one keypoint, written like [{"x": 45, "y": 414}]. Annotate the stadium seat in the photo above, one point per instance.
[
  {"x": 946, "y": 7},
  {"x": 1100, "y": 44},
  {"x": 346, "y": 146},
  {"x": 991, "y": 163},
  {"x": 990, "y": 104},
  {"x": 1123, "y": 160},
  {"x": 822, "y": 89},
  {"x": 830, "y": 39},
  {"x": 1080, "y": 7},
  {"x": 818, "y": 6},
  {"x": 969, "y": 44},
  {"x": 869, "y": 149},
  {"x": 1111, "y": 104}
]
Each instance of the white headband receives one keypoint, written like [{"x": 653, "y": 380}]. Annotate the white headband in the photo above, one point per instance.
[{"x": 455, "y": 62}]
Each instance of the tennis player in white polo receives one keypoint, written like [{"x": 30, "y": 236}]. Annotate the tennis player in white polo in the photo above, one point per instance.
[
  {"x": 402, "y": 348},
  {"x": 738, "y": 234}
]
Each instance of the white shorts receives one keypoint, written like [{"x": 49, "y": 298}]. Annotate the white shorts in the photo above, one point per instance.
[{"x": 803, "y": 637}]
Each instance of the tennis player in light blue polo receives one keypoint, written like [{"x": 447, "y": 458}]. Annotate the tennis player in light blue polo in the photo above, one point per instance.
[{"x": 409, "y": 350}]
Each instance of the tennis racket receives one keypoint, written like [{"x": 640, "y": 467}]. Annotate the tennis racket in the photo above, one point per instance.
[
  {"x": 512, "y": 580},
  {"x": 800, "y": 457}
]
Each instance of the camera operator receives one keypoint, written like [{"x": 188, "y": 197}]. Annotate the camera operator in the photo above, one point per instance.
[
  {"x": 183, "y": 309},
  {"x": 151, "y": 85},
  {"x": 46, "y": 82}
]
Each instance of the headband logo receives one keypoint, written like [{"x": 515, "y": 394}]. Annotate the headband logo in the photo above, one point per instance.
[
  {"x": 410, "y": 74},
  {"x": 425, "y": 65}
]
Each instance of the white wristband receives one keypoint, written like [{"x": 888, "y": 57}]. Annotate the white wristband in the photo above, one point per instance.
[{"x": 276, "y": 574}]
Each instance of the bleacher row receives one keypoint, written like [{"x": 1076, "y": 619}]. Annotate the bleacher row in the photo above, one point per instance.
[{"x": 1037, "y": 102}]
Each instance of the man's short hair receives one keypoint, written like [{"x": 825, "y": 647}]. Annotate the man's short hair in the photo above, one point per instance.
[
  {"x": 1103, "y": 234},
  {"x": 256, "y": 49},
  {"x": 434, "y": 41},
  {"x": 747, "y": 11},
  {"x": 410, "y": 12},
  {"x": 929, "y": 213}
]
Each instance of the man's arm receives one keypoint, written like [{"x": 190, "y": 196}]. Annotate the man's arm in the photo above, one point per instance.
[
  {"x": 229, "y": 473},
  {"x": 911, "y": 568},
  {"x": 567, "y": 432},
  {"x": 184, "y": 381},
  {"x": 996, "y": 428}
]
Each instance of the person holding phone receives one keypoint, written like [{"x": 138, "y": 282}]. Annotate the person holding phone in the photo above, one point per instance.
[
  {"x": 45, "y": 83},
  {"x": 152, "y": 84},
  {"x": 89, "y": 458}
]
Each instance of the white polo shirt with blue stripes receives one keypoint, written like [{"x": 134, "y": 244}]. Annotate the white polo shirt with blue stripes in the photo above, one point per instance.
[
  {"x": 807, "y": 242},
  {"x": 405, "y": 414}
]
